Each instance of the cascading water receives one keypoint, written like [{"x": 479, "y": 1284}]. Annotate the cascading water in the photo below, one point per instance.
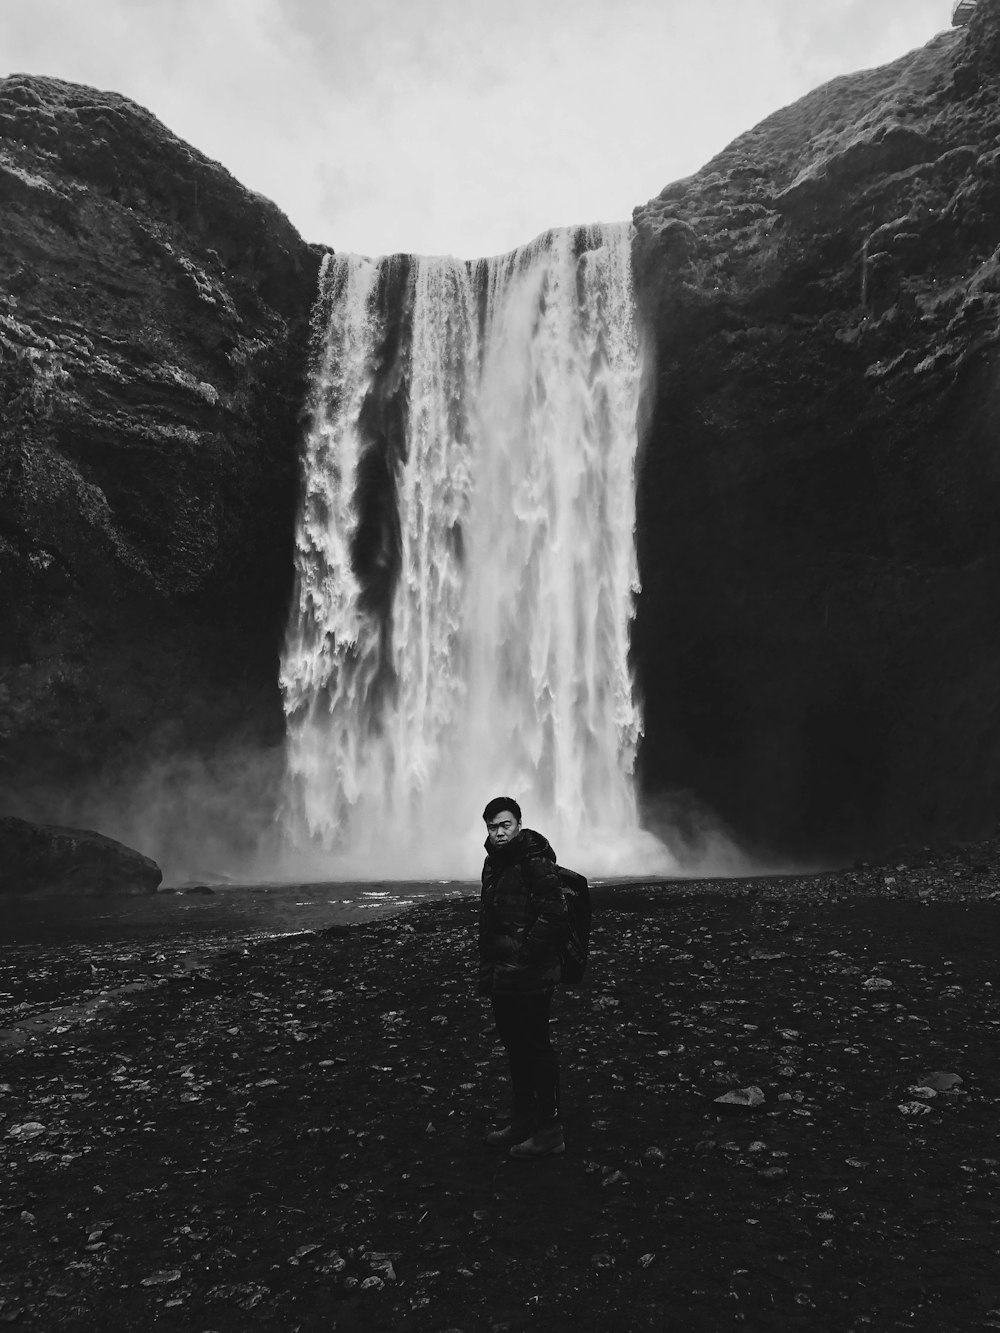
[{"x": 468, "y": 635}]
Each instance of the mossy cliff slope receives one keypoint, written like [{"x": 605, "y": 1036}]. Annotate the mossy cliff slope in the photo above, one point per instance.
[
  {"x": 153, "y": 327},
  {"x": 818, "y": 637}
]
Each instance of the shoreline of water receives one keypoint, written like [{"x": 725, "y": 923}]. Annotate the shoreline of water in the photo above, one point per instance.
[
  {"x": 273, "y": 908},
  {"x": 65, "y": 962},
  {"x": 224, "y": 909}
]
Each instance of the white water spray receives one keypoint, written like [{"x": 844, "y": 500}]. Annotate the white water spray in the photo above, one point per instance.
[{"x": 502, "y": 664}]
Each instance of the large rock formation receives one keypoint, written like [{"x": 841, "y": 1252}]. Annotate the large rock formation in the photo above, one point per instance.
[
  {"x": 818, "y": 638},
  {"x": 44, "y": 861},
  {"x": 153, "y": 327}
]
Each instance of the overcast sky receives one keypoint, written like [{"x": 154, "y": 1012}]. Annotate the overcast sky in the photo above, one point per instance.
[{"x": 458, "y": 126}]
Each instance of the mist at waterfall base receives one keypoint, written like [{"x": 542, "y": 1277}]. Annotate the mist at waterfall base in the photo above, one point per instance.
[{"x": 465, "y": 569}]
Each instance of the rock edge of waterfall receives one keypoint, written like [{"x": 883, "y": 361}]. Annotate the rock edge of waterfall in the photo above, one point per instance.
[
  {"x": 818, "y": 636},
  {"x": 154, "y": 319}
]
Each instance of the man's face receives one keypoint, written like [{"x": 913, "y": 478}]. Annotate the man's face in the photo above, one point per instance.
[{"x": 502, "y": 827}]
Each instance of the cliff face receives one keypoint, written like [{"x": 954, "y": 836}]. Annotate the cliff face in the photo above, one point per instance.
[
  {"x": 818, "y": 637},
  {"x": 153, "y": 331}
]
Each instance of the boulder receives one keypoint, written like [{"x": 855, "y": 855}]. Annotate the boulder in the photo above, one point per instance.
[{"x": 44, "y": 859}]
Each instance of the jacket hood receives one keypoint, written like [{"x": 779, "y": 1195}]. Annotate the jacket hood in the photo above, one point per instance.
[{"x": 523, "y": 846}]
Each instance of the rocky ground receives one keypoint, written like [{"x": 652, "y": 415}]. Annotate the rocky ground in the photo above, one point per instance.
[{"x": 289, "y": 1135}]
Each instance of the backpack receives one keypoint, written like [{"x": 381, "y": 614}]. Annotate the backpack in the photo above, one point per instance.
[{"x": 573, "y": 954}]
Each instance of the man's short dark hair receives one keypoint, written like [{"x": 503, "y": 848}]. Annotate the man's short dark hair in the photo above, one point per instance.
[{"x": 502, "y": 803}]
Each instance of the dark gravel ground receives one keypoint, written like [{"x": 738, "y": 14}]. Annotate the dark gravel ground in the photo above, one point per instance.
[{"x": 289, "y": 1136}]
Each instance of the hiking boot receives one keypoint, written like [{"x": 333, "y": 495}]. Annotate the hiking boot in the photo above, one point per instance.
[
  {"x": 545, "y": 1142},
  {"x": 508, "y": 1135}
]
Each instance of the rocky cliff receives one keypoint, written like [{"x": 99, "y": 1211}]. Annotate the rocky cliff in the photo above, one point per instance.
[
  {"x": 818, "y": 637},
  {"x": 153, "y": 327}
]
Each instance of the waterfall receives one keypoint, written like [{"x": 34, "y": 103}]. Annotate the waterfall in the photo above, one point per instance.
[{"x": 465, "y": 564}]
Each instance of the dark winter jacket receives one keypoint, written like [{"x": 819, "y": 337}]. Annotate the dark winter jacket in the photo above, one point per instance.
[{"x": 522, "y": 917}]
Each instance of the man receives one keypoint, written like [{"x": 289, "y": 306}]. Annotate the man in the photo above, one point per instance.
[{"x": 522, "y": 923}]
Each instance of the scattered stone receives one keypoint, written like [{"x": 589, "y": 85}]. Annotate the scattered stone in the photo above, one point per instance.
[
  {"x": 747, "y": 1098},
  {"x": 940, "y": 1080},
  {"x": 382, "y": 1265},
  {"x": 162, "y": 1278},
  {"x": 914, "y": 1108},
  {"x": 29, "y": 1130}
]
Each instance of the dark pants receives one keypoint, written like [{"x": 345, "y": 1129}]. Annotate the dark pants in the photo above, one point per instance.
[{"x": 523, "y": 1025}]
